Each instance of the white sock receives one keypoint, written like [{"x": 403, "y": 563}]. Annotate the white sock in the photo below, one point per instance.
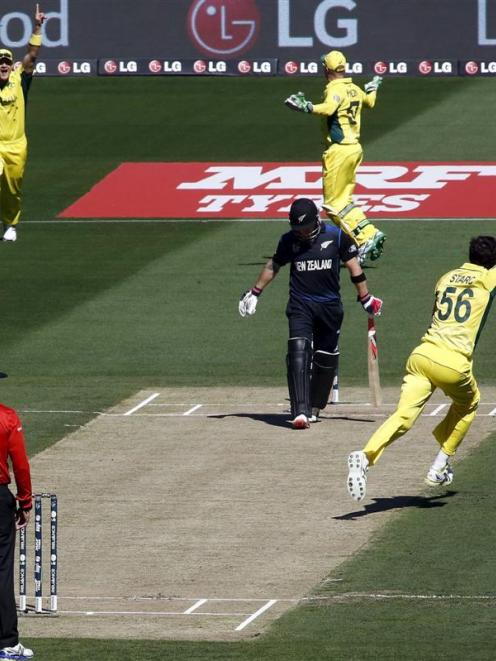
[{"x": 440, "y": 461}]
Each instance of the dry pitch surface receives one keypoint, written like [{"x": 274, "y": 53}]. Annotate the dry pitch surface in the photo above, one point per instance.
[{"x": 199, "y": 514}]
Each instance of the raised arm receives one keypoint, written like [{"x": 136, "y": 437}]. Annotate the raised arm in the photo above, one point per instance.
[{"x": 34, "y": 44}]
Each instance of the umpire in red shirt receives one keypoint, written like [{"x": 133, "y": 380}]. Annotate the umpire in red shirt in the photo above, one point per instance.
[{"x": 14, "y": 514}]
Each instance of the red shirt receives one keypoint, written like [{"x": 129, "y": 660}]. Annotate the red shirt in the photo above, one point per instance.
[{"x": 12, "y": 446}]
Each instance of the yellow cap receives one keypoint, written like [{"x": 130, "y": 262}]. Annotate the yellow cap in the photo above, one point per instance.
[
  {"x": 4, "y": 52},
  {"x": 334, "y": 61}
]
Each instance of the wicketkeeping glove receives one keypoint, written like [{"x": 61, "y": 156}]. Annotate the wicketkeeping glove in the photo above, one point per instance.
[
  {"x": 373, "y": 85},
  {"x": 371, "y": 304},
  {"x": 298, "y": 102},
  {"x": 248, "y": 301}
]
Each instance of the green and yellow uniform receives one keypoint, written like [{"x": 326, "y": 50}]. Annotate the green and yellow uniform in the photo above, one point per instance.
[
  {"x": 444, "y": 360},
  {"x": 341, "y": 119},
  {"x": 13, "y": 143}
]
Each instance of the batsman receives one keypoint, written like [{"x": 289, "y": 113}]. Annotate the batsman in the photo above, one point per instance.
[
  {"x": 314, "y": 250},
  {"x": 14, "y": 87},
  {"x": 340, "y": 111}
]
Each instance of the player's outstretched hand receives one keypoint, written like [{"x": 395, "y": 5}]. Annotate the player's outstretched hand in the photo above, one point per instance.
[
  {"x": 371, "y": 304},
  {"x": 298, "y": 102},
  {"x": 248, "y": 301},
  {"x": 373, "y": 85}
]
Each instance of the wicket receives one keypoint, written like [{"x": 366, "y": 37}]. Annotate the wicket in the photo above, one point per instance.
[{"x": 38, "y": 557}]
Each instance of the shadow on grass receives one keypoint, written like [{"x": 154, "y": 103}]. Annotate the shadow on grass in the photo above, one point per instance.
[
  {"x": 398, "y": 502},
  {"x": 282, "y": 419},
  {"x": 273, "y": 419}
]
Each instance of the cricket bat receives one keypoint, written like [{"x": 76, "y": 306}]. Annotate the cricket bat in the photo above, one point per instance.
[{"x": 373, "y": 365}]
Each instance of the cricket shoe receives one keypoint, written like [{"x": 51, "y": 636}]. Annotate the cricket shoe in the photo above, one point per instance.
[
  {"x": 315, "y": 415},
  {"x": 436, "y": 478},
  {"x": 300, "y": 422},
  {"x": 10, "y": 234},
  {"x": 357, "y": 474},
  {"x": 372, "y": 249},
  {"x": 18, "y": 652}
]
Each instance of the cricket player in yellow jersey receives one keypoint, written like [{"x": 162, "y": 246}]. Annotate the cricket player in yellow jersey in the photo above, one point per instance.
[
  {"x": 341, "y": 118},
  {"x": 442, "y": 360},
  {"x": 14, "y": 87}
]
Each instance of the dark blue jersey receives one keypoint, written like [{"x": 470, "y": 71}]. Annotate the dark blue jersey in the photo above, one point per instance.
[{"x": 315, "y": 266}]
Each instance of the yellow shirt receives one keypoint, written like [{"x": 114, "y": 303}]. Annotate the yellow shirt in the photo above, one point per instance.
[
  {"x": 341, "y": 111},
  {"x": 463, "y": 301},
  {"x": 13, "y": 106}
]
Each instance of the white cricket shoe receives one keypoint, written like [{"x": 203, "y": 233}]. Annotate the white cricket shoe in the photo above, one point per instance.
[
  {"x": 10, "y": 234},
  {"x": 18, "y": 652},
  {"x": 300, "y": 422},
  {"x": 357, "y": 474},
  {"x": 315, "y": 415},
  {"x": 436, "y": 478}
]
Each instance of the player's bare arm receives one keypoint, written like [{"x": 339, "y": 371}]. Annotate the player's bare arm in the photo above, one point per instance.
[
  {"x": 371, "y": 304},
  {"x": 249, "y": 299},
  {"x": 267, "y": 274},
  {"x": 34, "y": 44}
]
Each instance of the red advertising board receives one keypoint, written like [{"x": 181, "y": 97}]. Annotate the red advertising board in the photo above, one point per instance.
[{"x": 266, "y": 190}]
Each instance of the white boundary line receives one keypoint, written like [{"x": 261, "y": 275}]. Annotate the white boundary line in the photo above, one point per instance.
[
  {"x": 89, "y": 221},
  {"x": 143, "y": 403},
  {"x": 252, "y": 617}
]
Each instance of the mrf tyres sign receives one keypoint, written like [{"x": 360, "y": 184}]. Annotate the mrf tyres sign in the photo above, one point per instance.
[{"x": 266, "y": 190}]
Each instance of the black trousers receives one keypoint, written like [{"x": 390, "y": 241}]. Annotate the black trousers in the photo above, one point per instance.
[
  {"x": 9, "y": 636},
  {"x": 319, "y": 322}
]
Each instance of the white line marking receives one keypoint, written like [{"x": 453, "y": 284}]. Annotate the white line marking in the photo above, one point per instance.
[
  {"x": 493, "y": 412},
  {"x": 153, "y": 221},
  {"x": 379, "y": 595},
  {"x": 37, "y": 411},
  {"x": 437, "y": 410},
  {"x": 252, "y": 617},
  {"x": 143, "y": 403},
  {"x": 192, "y": 608},
  {"x": 193, "y": 409},
  {"x": 149, "y": 613}
]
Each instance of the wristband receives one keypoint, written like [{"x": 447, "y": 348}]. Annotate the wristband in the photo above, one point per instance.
[
  {"x": 35, "y": 40},
  {"x": 256, "y": 291}
]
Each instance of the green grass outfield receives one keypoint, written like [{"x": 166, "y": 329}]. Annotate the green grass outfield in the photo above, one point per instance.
[{"x": 92, "y": 312}]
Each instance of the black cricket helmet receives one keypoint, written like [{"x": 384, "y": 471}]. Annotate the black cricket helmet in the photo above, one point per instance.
[{"x": 304, "y": 219}]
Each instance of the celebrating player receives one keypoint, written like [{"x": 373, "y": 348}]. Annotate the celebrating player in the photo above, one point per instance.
[
  {"x": 14, "y": 87},
  {"x": 315, "y": 312},
  {"x": 442, "y": 360},
  {"x": 341, "y": 117}
]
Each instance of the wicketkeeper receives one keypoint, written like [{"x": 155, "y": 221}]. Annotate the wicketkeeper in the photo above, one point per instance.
[
  {"x": 442, "y": 360},
  {"x": 14, "y": 87},
  {"x": 314, "y": 250},
  {"x": 341, "y": 111}
]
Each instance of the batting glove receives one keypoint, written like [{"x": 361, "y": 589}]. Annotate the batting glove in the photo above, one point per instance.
[
  {"x": 371, "y": 304},
  {"x": 248, "y": 301},
  {"x": 298, "y": 102},
  {"x": 373, "y": 85}
]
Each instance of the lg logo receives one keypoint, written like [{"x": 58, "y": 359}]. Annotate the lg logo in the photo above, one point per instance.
[{"x": 223, "y": 27}]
